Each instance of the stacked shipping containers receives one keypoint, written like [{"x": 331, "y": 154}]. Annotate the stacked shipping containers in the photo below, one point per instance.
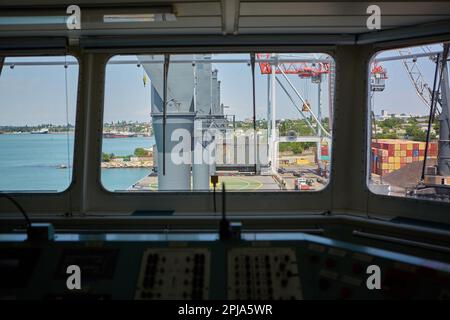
[
  {"x": 388, "y": 155},
  {"x": 324, "y": 153}
]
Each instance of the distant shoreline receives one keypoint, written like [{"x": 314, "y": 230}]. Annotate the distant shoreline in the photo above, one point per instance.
[
  {"x": 19, "y": 133},
  {"x": 65, "y": 132},
  {"x": 126, "y": 164}
]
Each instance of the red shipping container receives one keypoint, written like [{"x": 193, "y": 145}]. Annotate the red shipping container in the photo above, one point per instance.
[
  {"x": 421, "y": 153},
  {"x": 409, "y": 153},
  {"x": 415, "y": 146},
  {"x": 403, "y": 146}
]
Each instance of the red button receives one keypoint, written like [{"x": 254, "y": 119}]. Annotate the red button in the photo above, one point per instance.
[
  {"x": 330, "y": 263},
  {"x": 346, "y": 292},
  {"x": 357, "y": 268}
]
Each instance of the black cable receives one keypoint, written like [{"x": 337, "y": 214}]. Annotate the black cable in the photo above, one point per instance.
[
  {"x": 165, "y": 75},
  {"x": 223, "y": 202},
  {"x": 2, "y": 61},
  {"x": 252, "y": 58},
  {"x": 433, "y": 96},
  {"x": 18, "y": 206},
  {"x": 4, "y": 195},
  {"x": 214, "y": 197},
  {"x": 434, "y": 103},
  {"x": 69, "y": 198},
  {"x": 224, "y": 226}
]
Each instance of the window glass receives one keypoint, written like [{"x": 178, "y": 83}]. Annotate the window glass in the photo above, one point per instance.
[
  {"x": 276, "y": 137},
  {"x": 409, "y": 154},
  {"x": 37, "y": 106}
]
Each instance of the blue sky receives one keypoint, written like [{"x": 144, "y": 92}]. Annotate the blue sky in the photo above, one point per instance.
[
  {"x": 236, "y": 91},
  {"x": 31, "y": 95},
  {"x": 399, "y": 95},
  {"x": 34, "y": 95}
]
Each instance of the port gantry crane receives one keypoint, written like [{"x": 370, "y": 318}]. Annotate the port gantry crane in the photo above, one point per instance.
[
  {"x": 314, "y": 68},
  {"x": 273, "y": 65}
]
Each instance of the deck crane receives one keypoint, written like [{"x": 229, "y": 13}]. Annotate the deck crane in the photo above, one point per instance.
[{"x": 412, "y": 68}]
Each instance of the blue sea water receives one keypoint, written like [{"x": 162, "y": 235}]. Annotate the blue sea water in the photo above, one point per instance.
[{"x": 32, "y": 162}]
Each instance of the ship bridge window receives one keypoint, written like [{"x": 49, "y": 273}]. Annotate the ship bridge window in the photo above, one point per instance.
[
  {"x": 190, "y": 122},
  {"x": 409, "y": 150},
  {"x": 37, "y": 107}
]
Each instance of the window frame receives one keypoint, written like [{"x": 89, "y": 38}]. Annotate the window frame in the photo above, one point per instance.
[
  {"x": 110, "y": 210},
  {"x": 72, "y": 183},
  {"x": 374, "y": 53},
  {"x": 158, "y": 51}
]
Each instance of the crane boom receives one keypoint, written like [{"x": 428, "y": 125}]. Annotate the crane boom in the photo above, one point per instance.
[{"x": 417, "y": 79}]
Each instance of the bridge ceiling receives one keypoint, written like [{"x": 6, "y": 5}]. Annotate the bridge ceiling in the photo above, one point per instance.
[{"x": 226, "y": 17}]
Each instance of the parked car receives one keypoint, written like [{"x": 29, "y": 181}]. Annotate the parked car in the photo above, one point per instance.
[
  {"x": 281, "y": 170},
  {"x": 301, "y": 184}
]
